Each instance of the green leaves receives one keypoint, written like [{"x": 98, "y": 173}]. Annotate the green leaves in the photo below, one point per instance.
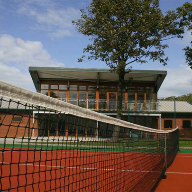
[{"x": 126, "y": 30}]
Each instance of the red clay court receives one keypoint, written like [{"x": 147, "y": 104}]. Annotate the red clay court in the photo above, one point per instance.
[{"x": 179, "y": 175}]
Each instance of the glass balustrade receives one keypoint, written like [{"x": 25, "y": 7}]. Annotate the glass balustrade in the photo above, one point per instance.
[{"x": 111, "y": 105}]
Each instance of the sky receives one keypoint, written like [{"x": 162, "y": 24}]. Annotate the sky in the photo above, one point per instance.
[{"x": 40, "y": 33}]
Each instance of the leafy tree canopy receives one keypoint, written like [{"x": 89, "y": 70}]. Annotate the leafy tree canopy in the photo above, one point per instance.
[
  {"x": 125, "y": 31},
  {"x": 185, "y": 13}
]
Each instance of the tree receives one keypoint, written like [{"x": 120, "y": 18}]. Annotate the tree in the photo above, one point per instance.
[
  {"x": 126, "y": 31},
  {"x": 185, "y": 14}
]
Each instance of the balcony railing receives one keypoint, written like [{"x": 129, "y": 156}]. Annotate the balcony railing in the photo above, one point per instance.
[{"x": 111, "y": 105}]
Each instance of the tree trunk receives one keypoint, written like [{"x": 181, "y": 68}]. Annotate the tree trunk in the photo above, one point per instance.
[{"x": 121, "y": 74}]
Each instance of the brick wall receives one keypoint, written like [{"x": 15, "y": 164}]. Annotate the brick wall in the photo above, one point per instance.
[
  {"x": 184, "y": 132},
  {"x": 10, "y": 128}
]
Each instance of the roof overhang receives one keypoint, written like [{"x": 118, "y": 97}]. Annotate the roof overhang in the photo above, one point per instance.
[{"x": 89, "y": 74}]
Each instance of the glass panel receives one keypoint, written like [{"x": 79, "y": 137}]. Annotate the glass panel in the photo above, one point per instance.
[
  {"x": 91, "y": 87},
  {"x": 91, "y": 100},
  {"x": 82, "y": 99},
  {"x": 140, "y": 89},
  {"x": 103, "y": 88},
  {"x": 140, "y": 97},
  {"x": 62, "y": 94},
  {"x": 167, "y": 123},
  {"x": 112, "y": 101},
  {"x": 52, "y": 125},
  {"x": 54, "y": 86},
  {"x": 102, "y": 94},
  {"x": 54, "y": 94},
  {"x": 73, "y": 94},
  {"x": 131, "y": 97},
  {"x": 82, "y": 87},
  {"x": 91, "y": 95},
  {"x": 81, "y": 127},
  {"x": 73, "y": 87},
  {"x": 61, "y": 125},
  {"x": 72, "y": 126},
  {"x": 131, "y": 89},
  {"x": 62, "y": 87},
  {"x": 44, "y": 86},
  {"x": 112, "y": 88},
  {"x": 44, "y": 92}
]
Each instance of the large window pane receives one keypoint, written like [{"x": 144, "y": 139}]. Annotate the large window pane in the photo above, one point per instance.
[
  {"x": 44, "y": 86},
  {"x": 131, "y": 97},
  {"x": 82, "y": 99},
  {"x": 73, "y": 87},
  {"x": 54, "y": 86},
  {"x": 91, "y": 100},
  {"x": 44, "y": 92},
  {"x": 62, "y": 87},
  {"x": 141, "y": 89},
  {"x": 92, "y": 88},
  {"x": 131, "y": 89},
  {"x": 54, "y": 94},
  {"x": 62, "y": 94},
  {"x": 112, "y": 101},
  {"x": 73, "y": 97},
  {"x": 82, "y": 87}
]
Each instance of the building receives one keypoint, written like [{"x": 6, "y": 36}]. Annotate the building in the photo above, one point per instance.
[
  {"x": 176, "y": 114},
  {"x": 96, "y": 89}
]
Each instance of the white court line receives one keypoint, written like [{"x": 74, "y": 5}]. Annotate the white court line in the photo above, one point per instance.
[
  {"x": 92, "y": 168},
  {"x": 182, "y": 173},
  {"x": 84, "y": 168}
]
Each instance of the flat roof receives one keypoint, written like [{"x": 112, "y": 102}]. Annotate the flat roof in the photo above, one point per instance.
[{"x": 94, "y": 74}]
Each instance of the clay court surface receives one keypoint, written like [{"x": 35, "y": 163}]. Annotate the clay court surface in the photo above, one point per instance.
[
  {"x": 179, "y": 175},
  {"x": 70, "y": 170}
]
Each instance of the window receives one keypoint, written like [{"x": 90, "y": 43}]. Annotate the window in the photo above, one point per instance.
[
  {"x": 54, "y": 86},
  {"x": 186, "y": 124},
  {"x": 62, "y": 94},
  {"x": 141, "y": 89},
  {"x": 44, "y": 92},
  {"x": 17, "y": 119},
  {"x": 54, "y": 94},
  {"x": 44, "y": 86},
  {"x": 82, "y": 87},
  {"x": 62, "y": 87},
  {"x": 73, "y": 87},
  {"x": 92, "y": 88},
  {"x": 168, "y": 124}
]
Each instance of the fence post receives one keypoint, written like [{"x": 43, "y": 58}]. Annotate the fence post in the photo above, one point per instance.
[{"x": 174, "y": 112}]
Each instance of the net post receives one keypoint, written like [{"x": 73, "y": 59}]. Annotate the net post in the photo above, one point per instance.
[
  {"x": 29, "y": 125},
  {"x": 175, "y": 112},
  {"x": 165, "y": 175}
]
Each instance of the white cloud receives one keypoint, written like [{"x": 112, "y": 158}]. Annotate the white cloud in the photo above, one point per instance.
[
  {"x": 16, "y": 55},
  {"x": 177, "y": 82},
  {"x": 24, "y": 53},
  {"x": 57, "y": 22}
]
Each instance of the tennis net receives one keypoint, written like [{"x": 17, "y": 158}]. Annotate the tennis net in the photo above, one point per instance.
[{"x": 51, "y": 145}]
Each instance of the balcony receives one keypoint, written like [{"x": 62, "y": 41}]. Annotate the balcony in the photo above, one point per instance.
[{"x": 111, "y": 105}]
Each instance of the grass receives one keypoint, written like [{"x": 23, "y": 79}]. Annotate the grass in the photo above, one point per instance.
[{"x": 185, "y": 143}]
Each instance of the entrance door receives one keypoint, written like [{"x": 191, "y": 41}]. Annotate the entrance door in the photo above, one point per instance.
[{"x": 112, "y": 102}]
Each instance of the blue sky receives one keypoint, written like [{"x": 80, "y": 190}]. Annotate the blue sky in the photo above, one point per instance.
[{"x": 40, "y": 33}]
